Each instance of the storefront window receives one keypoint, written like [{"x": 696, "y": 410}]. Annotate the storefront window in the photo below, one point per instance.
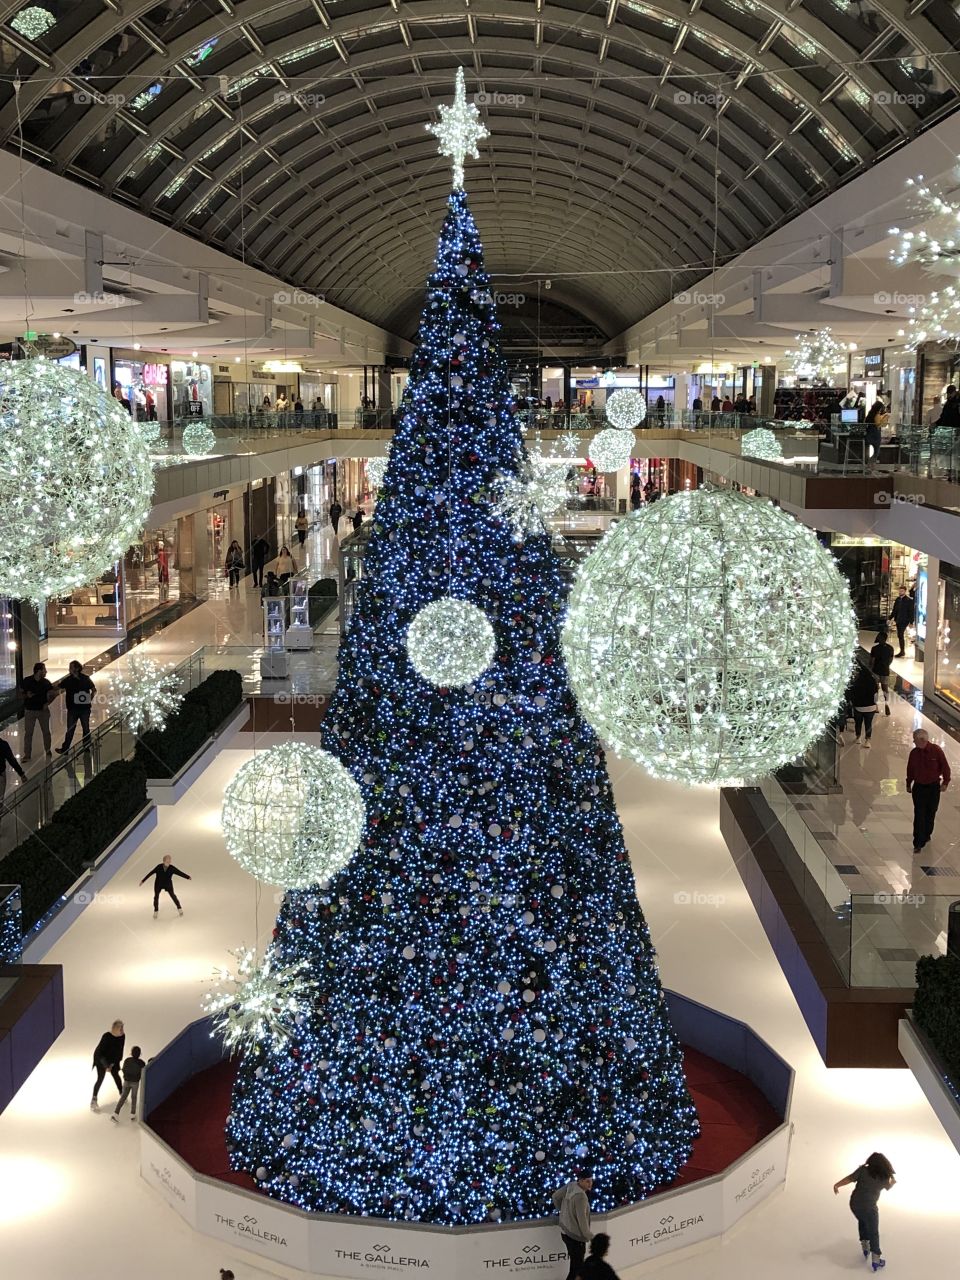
[
  {"x": 91, "y": 610},
  {"x": 145, "y": 387},
  {"x": 152, "y": 573},
  {"x": 948, "y": 640},
  {"x": 192, "y": 389}
]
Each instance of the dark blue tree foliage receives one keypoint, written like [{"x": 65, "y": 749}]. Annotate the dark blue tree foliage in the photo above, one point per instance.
[{"x": 489, "y": 1012}]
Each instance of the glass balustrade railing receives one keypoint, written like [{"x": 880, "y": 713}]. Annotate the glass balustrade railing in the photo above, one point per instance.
[{"x": 36, "y": 801}]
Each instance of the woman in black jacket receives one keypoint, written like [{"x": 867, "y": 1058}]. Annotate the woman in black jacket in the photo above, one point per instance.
[
  {"x": 107, "y": 1056},
  {"x": 863, "y": 700}
]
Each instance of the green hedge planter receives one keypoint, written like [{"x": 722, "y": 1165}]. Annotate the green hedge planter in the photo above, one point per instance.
[
  {"x": 47, "y": 863},
  {"x": 163, "y": 753},
  {"x": 936, "y": 1009}
]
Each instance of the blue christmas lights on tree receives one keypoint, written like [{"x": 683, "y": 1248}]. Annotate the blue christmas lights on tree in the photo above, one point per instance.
[{"x": 488, "y": 1012}]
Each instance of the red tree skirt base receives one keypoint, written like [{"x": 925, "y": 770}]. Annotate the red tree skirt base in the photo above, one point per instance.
[{"x": 734, "y": 1116}]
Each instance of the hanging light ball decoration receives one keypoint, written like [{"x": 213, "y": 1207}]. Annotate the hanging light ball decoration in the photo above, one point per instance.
[
  {"x": 938, "y": 238},
  {"x": 709, "y": 637},
  {"x": 75, "y": 481},
  {"x": 760, "y": 443},
  {"x": 936, "y": 320},
  {"x": 817, "y": 355},
  {"x": 198, "y": 440},
  {"x": 146, "y": 694},
  {"x": 611, "y": 449},
  {"x": 625, "y": 408},
  {"x": 377, "y": 470},
  {"x": 450, "y": 642},
  {"x": 150, "y": 430},
  {"x": 292, "y": 815}
]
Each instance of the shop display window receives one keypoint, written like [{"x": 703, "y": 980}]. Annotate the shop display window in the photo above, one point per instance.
[
  {"x": 89, "y": 610},
  {"x": 152, "y": 573},
  {"x": 948, "y": 639}
]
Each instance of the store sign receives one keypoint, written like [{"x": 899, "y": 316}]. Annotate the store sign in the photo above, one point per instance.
[
  {"x": 282, "y": 366},
  {"x": 53, "y": 348},
  {"x": 873, "y": 362},
  {"x": 920, "y": 617},
  {"x": 587, "y": 382}
]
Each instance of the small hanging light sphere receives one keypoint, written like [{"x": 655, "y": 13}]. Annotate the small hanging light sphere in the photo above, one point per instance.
[
  {"x": 293, "y": 815},
  {"x": 709, "y": 637},
  {"x": 198, "y": 439},
  {"x": 610, "y": 449},
  {"x": 75, "y": 480},
  {"x": 760, "y": 443},
  {"x": 450, "y": 642},
  {"x": 625, "y": 408}
]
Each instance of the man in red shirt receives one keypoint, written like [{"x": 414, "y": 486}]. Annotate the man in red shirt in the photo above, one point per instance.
[{"x": 927, "y": 775}]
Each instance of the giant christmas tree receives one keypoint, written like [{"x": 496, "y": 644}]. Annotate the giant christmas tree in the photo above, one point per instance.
[{"x": 488, "y": 1013}]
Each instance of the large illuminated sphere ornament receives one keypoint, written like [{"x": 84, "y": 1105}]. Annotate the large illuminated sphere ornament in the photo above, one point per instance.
[
  {"x": 450, "y": 642},
  {"x": 75, "y": 480},
  {"x": 760, "y": 443},
  {"x": 709, "y": 637},
  {"x": 198, "y": 439},
  {"x": 293, "y": 815},
  {"x": 625, "y": 408},
  {"x": 610, "y": 449}
]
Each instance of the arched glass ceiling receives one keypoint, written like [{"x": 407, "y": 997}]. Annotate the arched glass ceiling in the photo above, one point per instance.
[{"x": 294, "y": 129}]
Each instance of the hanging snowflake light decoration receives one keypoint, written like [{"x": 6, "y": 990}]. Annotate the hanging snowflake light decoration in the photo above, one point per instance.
[
  {"x": 566, "y": 445},
  {"x": 529, "y": 496},
  {"x": 450, "y": 642},
  {"x": 611, "y": 449},
  {"x": 259, "y": 1002},
  {"x": 939, "y": 238},
  {"x": 198, "y": 439},
  {"x": 817, "y": 355},
  {"x": 760, "y": 443},
  {"x": 936, "y": 320},
  {"x": 146, "y": 693},
  {"x": 75, "y": 481},
  {"x": 625, "y": 408},
  {"x": 688, "y": 637},
  {"x": 292, "y": 815},
  {"x": 377, "y": 470}
]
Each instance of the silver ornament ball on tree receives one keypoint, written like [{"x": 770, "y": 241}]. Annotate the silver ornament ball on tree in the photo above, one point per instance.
[
  {"x": 609, "y": 450},
  {"x": 292, "y": 815},
  {"x": 75, "y": 480},
  {"x": 625, "y": 408},
  {"x": 450, "y": 642},
  {"x": 709, "y": 637}
]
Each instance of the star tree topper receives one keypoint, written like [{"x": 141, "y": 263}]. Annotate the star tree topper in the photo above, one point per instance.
[{"x": 459, "y": 131}]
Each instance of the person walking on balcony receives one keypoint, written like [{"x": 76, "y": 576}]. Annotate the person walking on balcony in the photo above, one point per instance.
[
  {"x": 259, "y": 552},
  {"x": 357, "y": 519},
  {"x": 107, "y": 1056},
  {"x": 881, "y": 655},
  {"x": 286, "y": 565},
  {"x": 863, "y": 699},
  {"x": 302, "y": 526},
  {"x": 336, "y": 511},
  {"x": 80, "y": 691},
  {"x": 902, "y": 615},
  {"x": 7, "y": 758},
  {"x": 234, "y": 564},
  {"x": 38, "y": 693},
  {"x": 950, "y": 410},
  {"x": 872, "y": 1178},
  {"x": 928, "y": 775},
  {"x": 163, "y": 874}
]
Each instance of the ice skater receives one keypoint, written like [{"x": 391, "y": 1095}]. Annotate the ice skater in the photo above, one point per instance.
[
  {"x": 868, "y": 1181},
  {"x": 107, "y": 1056},
  {"x": 163, "y": 874},
  {"x": 132, "y": 1071}
]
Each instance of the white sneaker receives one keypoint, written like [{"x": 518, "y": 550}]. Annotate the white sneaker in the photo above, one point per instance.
[
  {"x": 115, "y": 1118},
  {"x": 180, "y": 911},
  {"x": 94, "y": 1105},
  {"x": 867, "y": 745}
]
